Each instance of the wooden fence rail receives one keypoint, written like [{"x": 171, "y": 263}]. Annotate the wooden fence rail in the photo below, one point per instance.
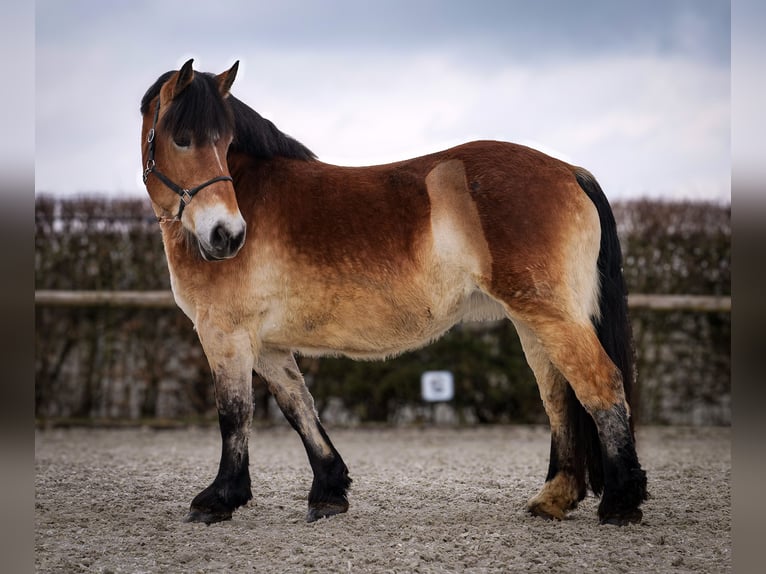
[
  {"x": 156, "y": 299},
  {"x": 164, "y": 299}
]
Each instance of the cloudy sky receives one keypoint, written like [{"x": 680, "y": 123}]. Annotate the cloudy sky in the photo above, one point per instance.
[{"x": 637, "y": 92}]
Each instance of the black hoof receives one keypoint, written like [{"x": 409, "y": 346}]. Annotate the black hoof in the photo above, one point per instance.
[
  {"x": 196, "y": 515},
  {"x": 217, "y": 503},
  {"x": 325, "y": 510},
  {"x": 633, "y": 517}
]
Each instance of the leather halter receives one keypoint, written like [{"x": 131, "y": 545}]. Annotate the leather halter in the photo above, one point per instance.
[{"x": 186, "y": 195}]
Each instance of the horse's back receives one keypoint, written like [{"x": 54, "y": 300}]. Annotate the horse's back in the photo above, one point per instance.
[{"x": 511, "y": 194}]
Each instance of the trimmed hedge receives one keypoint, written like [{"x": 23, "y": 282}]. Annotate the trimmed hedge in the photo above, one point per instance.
[{"x": 130, "y": 364}]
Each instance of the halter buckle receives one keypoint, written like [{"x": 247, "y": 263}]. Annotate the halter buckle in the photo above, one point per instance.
[
  {"x": 149, "y": 169},
  {"x": 186, "y": 197},
  {"x": 150, "y": 138}
]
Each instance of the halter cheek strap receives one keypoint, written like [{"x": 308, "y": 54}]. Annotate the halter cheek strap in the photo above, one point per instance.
[{"x": 186, "y": 195}]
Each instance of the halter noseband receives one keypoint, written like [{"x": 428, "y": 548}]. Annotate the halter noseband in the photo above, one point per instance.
[{"x": 186, "y": 195}]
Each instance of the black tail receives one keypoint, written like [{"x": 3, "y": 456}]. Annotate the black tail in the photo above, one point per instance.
[{"x": 613, "y": 331}]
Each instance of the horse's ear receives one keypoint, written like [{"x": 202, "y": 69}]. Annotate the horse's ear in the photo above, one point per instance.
[
  {"x": 184, "y": 77},
  {"x": 226, "y": 79}
]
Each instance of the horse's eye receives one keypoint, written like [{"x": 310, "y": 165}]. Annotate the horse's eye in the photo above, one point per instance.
[{"x": 182, "y": 140}]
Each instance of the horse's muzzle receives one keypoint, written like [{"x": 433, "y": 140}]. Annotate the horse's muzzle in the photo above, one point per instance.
[{"x": 223, "y": 243}]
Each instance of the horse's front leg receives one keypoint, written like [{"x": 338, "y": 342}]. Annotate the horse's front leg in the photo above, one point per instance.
[
  {"x": 231, "y": 360},
  {"x": 331, "y": 481}
]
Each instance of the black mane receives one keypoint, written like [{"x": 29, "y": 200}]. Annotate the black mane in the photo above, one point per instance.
[
  {"x": 257, "y": 136},
  {"x": 200, "y": 112}
]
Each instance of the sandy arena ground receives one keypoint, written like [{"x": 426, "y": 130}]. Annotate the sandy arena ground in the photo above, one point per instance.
[{"x": 430, "y": 500}]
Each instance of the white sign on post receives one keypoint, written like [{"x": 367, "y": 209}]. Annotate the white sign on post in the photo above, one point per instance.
[{"x": 437, "y": 386}]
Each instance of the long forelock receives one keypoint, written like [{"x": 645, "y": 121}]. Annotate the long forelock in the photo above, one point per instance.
[{"x": 199, "y": 111}]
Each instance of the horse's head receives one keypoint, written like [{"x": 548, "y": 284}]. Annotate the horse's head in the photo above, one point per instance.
[{"x": 186, "y": 131}]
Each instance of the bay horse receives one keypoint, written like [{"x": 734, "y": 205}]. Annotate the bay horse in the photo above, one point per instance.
[{"x": 272, "y": 252}]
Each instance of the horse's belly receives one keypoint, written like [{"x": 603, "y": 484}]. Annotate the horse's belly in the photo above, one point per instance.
[{"x": 372, "y": 326}]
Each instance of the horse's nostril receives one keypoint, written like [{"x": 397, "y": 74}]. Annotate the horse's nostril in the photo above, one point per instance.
[
  {"x": 220, "y": 236},
  {"x": 224, "y": 241}
]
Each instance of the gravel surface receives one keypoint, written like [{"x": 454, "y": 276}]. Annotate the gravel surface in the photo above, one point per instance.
[{"x": 423, "y": 500}]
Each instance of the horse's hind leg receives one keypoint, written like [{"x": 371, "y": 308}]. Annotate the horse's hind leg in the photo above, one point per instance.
[
  {"x": 331, "y": 481},
  {"x": 231, "y": 361},
  {"x": 577, "y": 353},
  {"x": 565, "y": 482}
]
